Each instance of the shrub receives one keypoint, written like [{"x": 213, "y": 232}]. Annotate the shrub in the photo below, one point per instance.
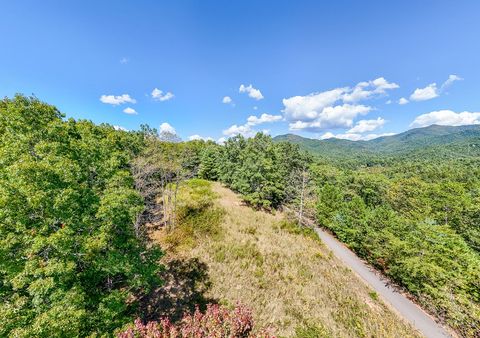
[{"x": 217, "y": 322}]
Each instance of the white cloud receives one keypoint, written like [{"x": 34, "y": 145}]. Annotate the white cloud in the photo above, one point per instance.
[
  {"x": 388, "y": 102},
  {"x": 167, "y": 128},
  {"x": 336, "y": 108},
  {"x": 431, "y": 91},
  {"x": 264, "y": 118},
  {"x": 198, "y": 137},
  {"x": 365, "y": 90},
  {"x": 310, "y": 106},
  {"x": 252, "y": 92},
  {"x": 446, "y": 118},
  {"x": 116, "y": 100},
  {"x": 255, "y": 108},
  {"x": 120, "y": 128},
  {"x": 349, "y": 136},
  {"x": 451, "y": 79},
  {"x": 381, "y": 85},
  {"x": 244, "y": 130},
  {"x": 353, "y": 136},
  {"x": 221, "y": 140},
  {"x": 403, "y": 101},
  {"x": 327, "y": 135},
  {"x": 332, "y": 117},
  {"x": 363, "y": 126},
  {"x": 427, "y": 93},
  {"x": 130, "y": 111},
  {"x": 227, "y": 99},
  {"x": 372, "y": 136},
  {"x": 159, "y": 95},
  {"x": 346, "y": 136}
]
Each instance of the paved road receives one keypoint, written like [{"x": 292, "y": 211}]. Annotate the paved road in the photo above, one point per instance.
[{"x": 405, "y": 307}]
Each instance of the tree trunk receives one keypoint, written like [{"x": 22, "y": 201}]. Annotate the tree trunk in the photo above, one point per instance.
[{"x": 302, "y": 193}]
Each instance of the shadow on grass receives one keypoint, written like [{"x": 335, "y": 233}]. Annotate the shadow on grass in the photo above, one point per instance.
[{"x": 185, "y": 283}]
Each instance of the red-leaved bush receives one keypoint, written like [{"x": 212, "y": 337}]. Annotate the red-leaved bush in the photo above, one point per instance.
[{"x": 216, "y": 322}]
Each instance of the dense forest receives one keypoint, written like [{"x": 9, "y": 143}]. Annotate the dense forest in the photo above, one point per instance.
[
  {"x": 71, "y": 263},
  {"x": 444, "y": 141},
  {"x": 415, "y": 216},
  {"x": 76, "y": 199}
]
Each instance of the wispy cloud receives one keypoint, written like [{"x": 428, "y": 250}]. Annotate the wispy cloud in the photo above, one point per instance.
[
  {"x": 451, "y": 79},
  {"x": 432, "y": 91}
]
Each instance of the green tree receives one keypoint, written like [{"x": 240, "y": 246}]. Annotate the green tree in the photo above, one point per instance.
[
  {"x": 209, "y": 163},
  {"x": 70, "y": 262}
]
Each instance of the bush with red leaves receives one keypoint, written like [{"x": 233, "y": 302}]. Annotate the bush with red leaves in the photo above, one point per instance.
[{"x": 216, "y": 322}]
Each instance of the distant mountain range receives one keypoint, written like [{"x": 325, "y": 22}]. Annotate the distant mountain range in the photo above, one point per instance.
[{"x": 461, "y": 139}]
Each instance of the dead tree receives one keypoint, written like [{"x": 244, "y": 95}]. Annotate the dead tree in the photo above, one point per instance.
[{"x": 300, "y": 197}]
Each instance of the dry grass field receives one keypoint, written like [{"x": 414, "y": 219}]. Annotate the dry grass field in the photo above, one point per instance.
[{"x": 286, "y": 276}]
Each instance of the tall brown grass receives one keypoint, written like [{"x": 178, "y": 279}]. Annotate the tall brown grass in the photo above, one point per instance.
[{"x": 285, "y": 275}]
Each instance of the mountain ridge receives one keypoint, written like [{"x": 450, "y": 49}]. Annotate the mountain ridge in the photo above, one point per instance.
[{"x": 412, "y": 140}]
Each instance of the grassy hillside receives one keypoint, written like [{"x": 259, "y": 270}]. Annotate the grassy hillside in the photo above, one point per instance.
[
  {"x": 226, "y": 252},
  {"x": 444, "y": 139}
]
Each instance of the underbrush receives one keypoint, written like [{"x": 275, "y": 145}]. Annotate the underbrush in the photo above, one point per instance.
[
  {"x": 197, "y": 216},
  {"x": 277, "y": 269},
  {"x": 311, "y": 331},
  {"x": 296, "y": 229},
  {"x": 287, "y": 277}
]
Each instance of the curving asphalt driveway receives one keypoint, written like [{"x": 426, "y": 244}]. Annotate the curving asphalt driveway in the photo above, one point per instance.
[{"x": 404, "y": 306}]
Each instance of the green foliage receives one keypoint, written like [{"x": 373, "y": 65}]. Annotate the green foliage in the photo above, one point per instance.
[
  {"x": 257, "y": 168},
  {"x": 209, "y": 160},
  {"x": 311, "y": 331},
  {"x": 70, "y": 263},
  {"x": 418, "y": 222},
  {"x": 294, "y": 228},
  {"x": 433, "y": 141},
  {"x": 197, "y": 215}
]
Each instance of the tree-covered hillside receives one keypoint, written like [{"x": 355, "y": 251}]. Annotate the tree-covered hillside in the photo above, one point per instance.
[
  {"x": 447, "y": 141},
  {"x": 71, "y": 263},
  {"x": 77, "y": 202},
  {"x": 410, "y": 206}
]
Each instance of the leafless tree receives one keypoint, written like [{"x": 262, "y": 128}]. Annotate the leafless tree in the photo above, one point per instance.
[
  {"x": 300, "y": 195},
  {"x": 158, "y": 173}
]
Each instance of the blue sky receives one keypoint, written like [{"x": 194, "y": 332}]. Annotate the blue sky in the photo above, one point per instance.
[{"x": 314, "y": 68}]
